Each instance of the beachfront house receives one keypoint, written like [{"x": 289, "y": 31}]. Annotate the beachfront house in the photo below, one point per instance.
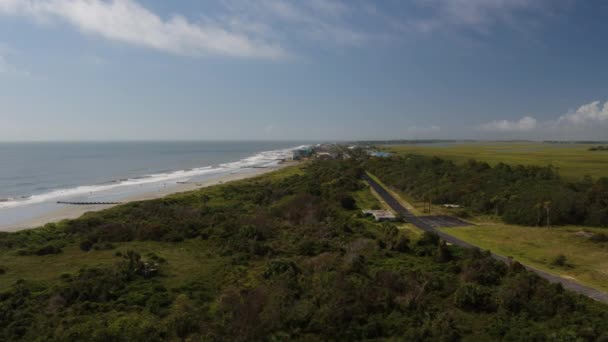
[
  {"x": 379, "y": 154},
  {"x": 325, "y": 156},
  {"x": 301, "y": 153}
]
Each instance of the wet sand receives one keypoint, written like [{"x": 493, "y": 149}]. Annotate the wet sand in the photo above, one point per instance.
[{"x": 74, "y": 211}]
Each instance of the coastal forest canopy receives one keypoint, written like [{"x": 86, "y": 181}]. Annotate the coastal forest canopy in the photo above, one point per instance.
[
  {"x": 294, "y": 259},
  {"x": 525, "y": 195}
]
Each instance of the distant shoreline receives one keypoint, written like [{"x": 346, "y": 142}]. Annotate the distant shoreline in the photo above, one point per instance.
[{"x": 65, "y": 212}]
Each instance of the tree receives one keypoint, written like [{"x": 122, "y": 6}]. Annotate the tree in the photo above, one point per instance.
[
  {"x": 183, "y": 320},
  {"x": 443, "y": 252},
  {"x": 547, "y": 207},
  {"x": 348, "y": 202},
  {"x": 539, "y": 213}
]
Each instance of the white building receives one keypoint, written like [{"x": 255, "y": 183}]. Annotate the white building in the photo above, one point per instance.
[{"x": 380, "y": 215}]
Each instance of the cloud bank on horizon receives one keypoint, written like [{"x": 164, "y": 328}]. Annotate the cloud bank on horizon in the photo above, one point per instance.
[{"x": 592, "y": 114}]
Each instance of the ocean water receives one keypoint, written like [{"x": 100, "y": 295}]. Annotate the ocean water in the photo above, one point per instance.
[{"x": 35, "y": 176}]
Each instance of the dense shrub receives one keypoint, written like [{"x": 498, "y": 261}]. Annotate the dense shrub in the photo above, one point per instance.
[
  {"x": 473, "y": 297},
  {"x": 348, "y": 202},
  {"x": 41, "y": 250}
]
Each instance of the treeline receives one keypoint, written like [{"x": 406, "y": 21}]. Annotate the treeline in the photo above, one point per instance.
[
  {"x": 527, "y": 195},
  {"x": 411, "y": 142},
  {"x": 297, "y": 263}
]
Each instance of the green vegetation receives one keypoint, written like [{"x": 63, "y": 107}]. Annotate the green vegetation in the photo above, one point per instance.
[
  {"x": 572, "y": 160},
  {"x": 280, "y": 257},
  {"x": 519, "y": 195},
  {"x": 598, "y": 148},
  {"x": 525, "y": 195},
  {"x": 586, "y": 259}
]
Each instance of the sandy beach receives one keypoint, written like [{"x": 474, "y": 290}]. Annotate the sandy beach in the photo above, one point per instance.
[{"x": 64, "y": 212}]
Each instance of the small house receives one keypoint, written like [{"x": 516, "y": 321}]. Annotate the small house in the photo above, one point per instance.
[
  {"x": 381, "y": 215},
  {"x": 304, "y": 152},
  {"x": 379, "y": 154}
]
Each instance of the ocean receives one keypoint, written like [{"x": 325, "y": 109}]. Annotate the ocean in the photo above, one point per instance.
[{"x": 35, "y": 176}]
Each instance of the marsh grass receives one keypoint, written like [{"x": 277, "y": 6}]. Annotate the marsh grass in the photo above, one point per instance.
[
  {"x": 539, "y": 247},
  {"x": 574, "y": 161}
]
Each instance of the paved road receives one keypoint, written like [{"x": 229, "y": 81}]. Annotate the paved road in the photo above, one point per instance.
[{"x": 413, "y": 219}]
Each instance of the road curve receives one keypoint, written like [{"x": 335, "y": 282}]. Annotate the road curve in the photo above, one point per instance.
[{"x": 413, "y": 219}]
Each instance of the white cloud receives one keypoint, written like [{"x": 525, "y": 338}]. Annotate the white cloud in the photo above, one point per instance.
[
  {"x": 318, "y": 20},
  {"x": 588, "y": 120},
  {"x": 524, "y": 124},
  {"x": 264, "y": 28},
  {"x": 333, "y": 7},
  {"x": 590, "y": 113},
  {"x": 129, "y": 22},
  {"x": 478, "y": 15}
]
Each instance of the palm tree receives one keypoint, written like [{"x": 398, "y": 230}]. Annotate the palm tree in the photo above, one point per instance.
[{"x": 498, "y": 202}]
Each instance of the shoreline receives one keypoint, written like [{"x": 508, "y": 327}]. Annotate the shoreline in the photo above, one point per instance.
[{"x": 75, "y": 211}]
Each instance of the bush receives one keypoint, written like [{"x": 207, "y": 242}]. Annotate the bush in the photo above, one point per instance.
[
  {"x": 104, "y": 245},
  {"x": 473, "y": 297},
  {"x": 599, "y": 237},
  {"x": 348, "y": 202},
  {"x": 559, "y": 260},
  {"x": 156, "y": 258},
  {"x": 44, "y": 250},
  {"x": 86, "y": 245},
  {"x": 48, "y": 249},
  {"x": 2, "y": 270},
  {"x": 402, "y": 244},
  {"x": 482, "y": 269},
  {"x": 443, "y": 253},
  {"x": 309, "y": 248},
  {"x": 277, "y": 267},
  {"x": 429, "y": 239}
]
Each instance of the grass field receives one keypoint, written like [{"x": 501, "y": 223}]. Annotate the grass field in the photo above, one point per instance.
[
  {"x": 188, "y": 260},
  {"x": 573, "y": 160},
  {"x": 588, "y": 261}
]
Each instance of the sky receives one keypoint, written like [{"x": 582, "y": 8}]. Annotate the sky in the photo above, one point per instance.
[{"x": 303, "y": 70}]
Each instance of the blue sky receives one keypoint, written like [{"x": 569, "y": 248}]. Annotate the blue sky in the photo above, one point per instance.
[{"x": 315, "y": 69}]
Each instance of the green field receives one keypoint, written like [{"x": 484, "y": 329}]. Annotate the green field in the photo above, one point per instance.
[
  {"x": 587, "y": 261},
  {"x": 573, "y": 160},
  {"x": 190, "y": 260}
]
